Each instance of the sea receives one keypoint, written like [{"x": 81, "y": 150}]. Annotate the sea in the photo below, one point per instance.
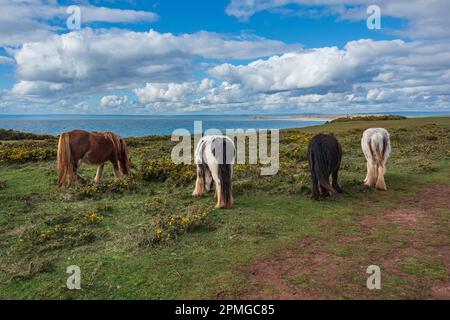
[{"x": 147, "y": 125}]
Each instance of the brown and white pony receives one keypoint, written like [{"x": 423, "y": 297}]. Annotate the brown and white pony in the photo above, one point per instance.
[
  {"x": 214, "y": 157},
  {"x": 376, "y": 145},
  {"x": 96, "y": 148}
]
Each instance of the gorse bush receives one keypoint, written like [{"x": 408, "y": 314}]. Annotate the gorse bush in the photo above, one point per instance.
[
  {"x": 114, "y": 186},
  {"x": 13, "y": 153},
  {"x": 163, "y": 169},
  {"x": 173, "y": 224},
  {"x": 18, "y": 135}
]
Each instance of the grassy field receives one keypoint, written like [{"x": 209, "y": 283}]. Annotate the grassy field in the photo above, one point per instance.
[{"x": 147, "y": 238}]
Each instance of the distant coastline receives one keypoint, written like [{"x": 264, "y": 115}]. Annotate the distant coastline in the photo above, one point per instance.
[
  {"x": 330, "y": 117},
  {"x": 321, "y": 117},
  {"x": 151, "y": 125}
]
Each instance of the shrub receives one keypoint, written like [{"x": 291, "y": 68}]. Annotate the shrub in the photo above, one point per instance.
[
  {"x": 163, "y": 169},
  {"x": 173, "y": 224},
  {"x": 17, "y": 135},
  {"x": 116, "y": 186},
  {"x": 12, "y": 153}
]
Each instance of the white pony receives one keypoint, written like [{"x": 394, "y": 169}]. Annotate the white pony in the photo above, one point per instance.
[
  {"x": 214, "y": 157},
  {"x": 376, "y": 145}
]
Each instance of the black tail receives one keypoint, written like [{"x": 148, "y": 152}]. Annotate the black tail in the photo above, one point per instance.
[
  {"x": 225, "y": 178},
  {"x": 322, "y": 170},
  {"x": 385, "y": 145}
]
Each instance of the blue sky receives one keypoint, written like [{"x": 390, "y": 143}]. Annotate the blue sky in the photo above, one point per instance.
[{"x": 223, "y": 56}]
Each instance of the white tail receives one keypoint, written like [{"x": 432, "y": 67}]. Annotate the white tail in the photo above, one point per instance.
[{"x": 376, "y": 145}]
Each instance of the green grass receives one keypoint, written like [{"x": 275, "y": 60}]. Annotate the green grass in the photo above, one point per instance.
[{"x": 270, "y": 214}]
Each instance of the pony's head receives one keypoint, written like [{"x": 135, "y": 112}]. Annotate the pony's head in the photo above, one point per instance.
[{"x": 124, "y": 157}]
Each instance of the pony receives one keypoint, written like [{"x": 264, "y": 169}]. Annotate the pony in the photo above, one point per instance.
[
  {"x": 325, "y": 154},
  {"x": 96, "y": 148},
  {"x": 376, "y": 145},
  {"x": 214, "y": 157}
]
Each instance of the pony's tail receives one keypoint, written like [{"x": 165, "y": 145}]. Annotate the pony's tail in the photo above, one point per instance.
[
  {"x": 225, "y": 179},
  {"x": 378, "y": 145},
  {"x": 321, "y": 164},
  {"x": 64, "y": 161}
]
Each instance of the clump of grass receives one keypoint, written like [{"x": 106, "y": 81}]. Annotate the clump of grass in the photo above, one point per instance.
[
  {"x": 114, "y": 186},
  {"x": 426, "y": 166},
  {"x": 423, "y": 267},
  {"x": 156, "y": 206},
  {"x": 173, "y": 225},
  {"x": 3, "y": 185},
  {"x": 66, "y": 230}
]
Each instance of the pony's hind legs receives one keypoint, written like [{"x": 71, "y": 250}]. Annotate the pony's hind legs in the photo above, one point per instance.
[
  {"x": 117, "y": 172},
  {"x": 372, "y": 175},
  {"x": 200, "y": 187},
  {"x": 77, "y": 177},
  {"x": 315, "y": 186},
  {"x": 99, "y": 174},
  {"x": 381, "y": 184},
  {"x": 335, "y": 183}
]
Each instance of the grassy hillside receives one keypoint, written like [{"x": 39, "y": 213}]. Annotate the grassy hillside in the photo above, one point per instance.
[{"x": 147, "y": 238}]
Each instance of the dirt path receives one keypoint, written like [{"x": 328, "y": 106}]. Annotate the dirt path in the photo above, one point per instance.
[{"x": 411, "y": 244}]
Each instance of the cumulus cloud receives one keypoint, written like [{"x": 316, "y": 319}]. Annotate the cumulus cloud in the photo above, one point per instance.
[
  {"x": 163, "y": 92},
  {"x": 392, "y": 63},
  {"x": 424, "y": 18},
  {"x": 28, "y": 20},
  {"x": 114, "y": 102},
  {"x": 87, "y": 60}
]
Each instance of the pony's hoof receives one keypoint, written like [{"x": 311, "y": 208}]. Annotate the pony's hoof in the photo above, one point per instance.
[{"x": 221, "y": 206}]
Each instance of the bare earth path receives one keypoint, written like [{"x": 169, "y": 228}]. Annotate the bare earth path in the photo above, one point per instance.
[{"x": 410, "y": 243}]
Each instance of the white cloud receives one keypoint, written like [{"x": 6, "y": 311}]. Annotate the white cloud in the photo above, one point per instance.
[
  {"x": 28, "y": 20},
  {"x": 424, "y": 18},
  {"x": 318, "y": 71},
  {"x": 114, "y": 102},
  {"x": 163, "y": 92},
  {"x": 86, "y": 61}
]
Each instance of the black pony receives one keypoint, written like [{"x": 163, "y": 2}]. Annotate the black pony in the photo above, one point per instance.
[{"x": 325, "y": 154}]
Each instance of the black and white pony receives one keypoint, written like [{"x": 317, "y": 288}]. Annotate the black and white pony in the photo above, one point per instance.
[
  {"x": 214, "y": 157},
  {"x": 325, "y": 154},
  {"x": 376, "y": 145}
]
